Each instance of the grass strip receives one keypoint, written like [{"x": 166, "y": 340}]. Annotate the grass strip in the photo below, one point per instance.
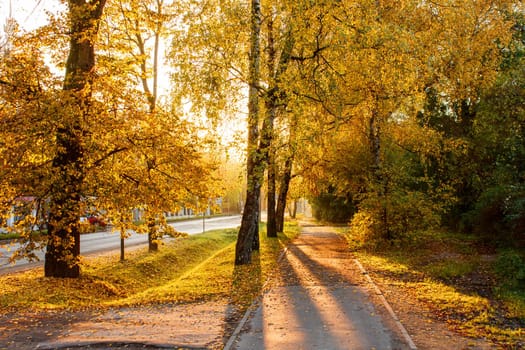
[
  {"x": 448, "y": 273},
  {"x": 199, "y": 267}
]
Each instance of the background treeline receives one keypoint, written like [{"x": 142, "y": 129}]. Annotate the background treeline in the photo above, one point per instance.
[{"x": 458, "y": 162}]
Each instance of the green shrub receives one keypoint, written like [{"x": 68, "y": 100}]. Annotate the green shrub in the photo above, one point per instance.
[
  {"x": 332, "y": 208},
  {"x": 363, "y": 229},
  {"x": 510, "y": 267},
  {"x": 395, "y": 218},
  {"x": 499, "y": 215}
]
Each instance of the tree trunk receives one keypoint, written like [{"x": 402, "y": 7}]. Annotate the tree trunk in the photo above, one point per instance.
[
  {"x": 286, "y": 177},
  {"x": 271, "y": 111},
  {"x": 122, "y": 249},
  {"x": 249, "y": 223},
  {"x": 153, "y": 245},
  {"x": 122, "y": 238},
  {"x": 256, "y": 243},
  {"x": 63, "y": 246},
  {"x": 271, "y": 222},
  {"x": 249, "y": 228},
  {"x": 283, "y": 193},
  {"x": 375, "y": 145},
  {"x": 380, "y": 184},
  {"x": 151, "y": 95}
]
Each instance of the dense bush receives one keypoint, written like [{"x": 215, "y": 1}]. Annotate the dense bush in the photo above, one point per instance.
[
  {"x": 394, "y": 218},
  {"x": 499, "y": 215},
  {"x": 510, "y": 265},
  {"x": 332, "y": 208}
]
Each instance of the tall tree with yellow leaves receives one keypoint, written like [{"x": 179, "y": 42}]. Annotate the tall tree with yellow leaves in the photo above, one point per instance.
[
  {"x": 250, "y": 217},
  {"x": 88, "y": 143},
  {"x": 63, "y": 246},
  {"x": 131, "y": 26}
]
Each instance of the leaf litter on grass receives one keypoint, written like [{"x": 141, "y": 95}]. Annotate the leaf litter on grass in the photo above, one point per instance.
[
  {"x": 195, "y": 268},
  {"x": 453, "y": 280}
]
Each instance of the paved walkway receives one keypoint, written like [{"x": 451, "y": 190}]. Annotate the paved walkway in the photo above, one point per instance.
[{"x": 319, "y": 300}]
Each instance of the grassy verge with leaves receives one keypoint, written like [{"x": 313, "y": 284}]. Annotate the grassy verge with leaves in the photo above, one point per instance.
[
  {"x": 8, "y": 236},
  {"x": 459, "y": 279},
  {"x": 199, "y": 267}
]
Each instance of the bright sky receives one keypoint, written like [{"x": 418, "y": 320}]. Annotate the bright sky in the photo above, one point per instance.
[{"x": 29, "y": 14}]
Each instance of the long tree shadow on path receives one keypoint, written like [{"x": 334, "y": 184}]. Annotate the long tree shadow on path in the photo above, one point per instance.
[{"x": 313, "y": 305}]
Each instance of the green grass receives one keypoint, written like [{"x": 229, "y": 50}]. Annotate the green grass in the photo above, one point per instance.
[
  {"x": 14, "y": 235},
  {"x": 195, "y": 217},
  {"x": 199, "y": 267},
  {"x": 443, "y": 270},
  {"x": 7, "y": 236},
  {"x": 448, "y": 269},
  {"x": 514, "y": 301}
]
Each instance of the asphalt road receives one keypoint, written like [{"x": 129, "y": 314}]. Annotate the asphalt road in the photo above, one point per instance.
[{"x": 105, "y": 241}]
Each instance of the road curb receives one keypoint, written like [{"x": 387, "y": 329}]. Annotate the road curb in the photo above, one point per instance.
[
  {"x": 241, "y": 324},
  {"x": 250, "y": 309},
  {"x": 113, "y": 344},
  {"x": 387, "y": 306}
]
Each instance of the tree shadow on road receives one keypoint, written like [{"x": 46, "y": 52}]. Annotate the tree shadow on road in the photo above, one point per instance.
[
  {"x": 314, "y": 305},
  {"x": 247, "y": 284}
]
